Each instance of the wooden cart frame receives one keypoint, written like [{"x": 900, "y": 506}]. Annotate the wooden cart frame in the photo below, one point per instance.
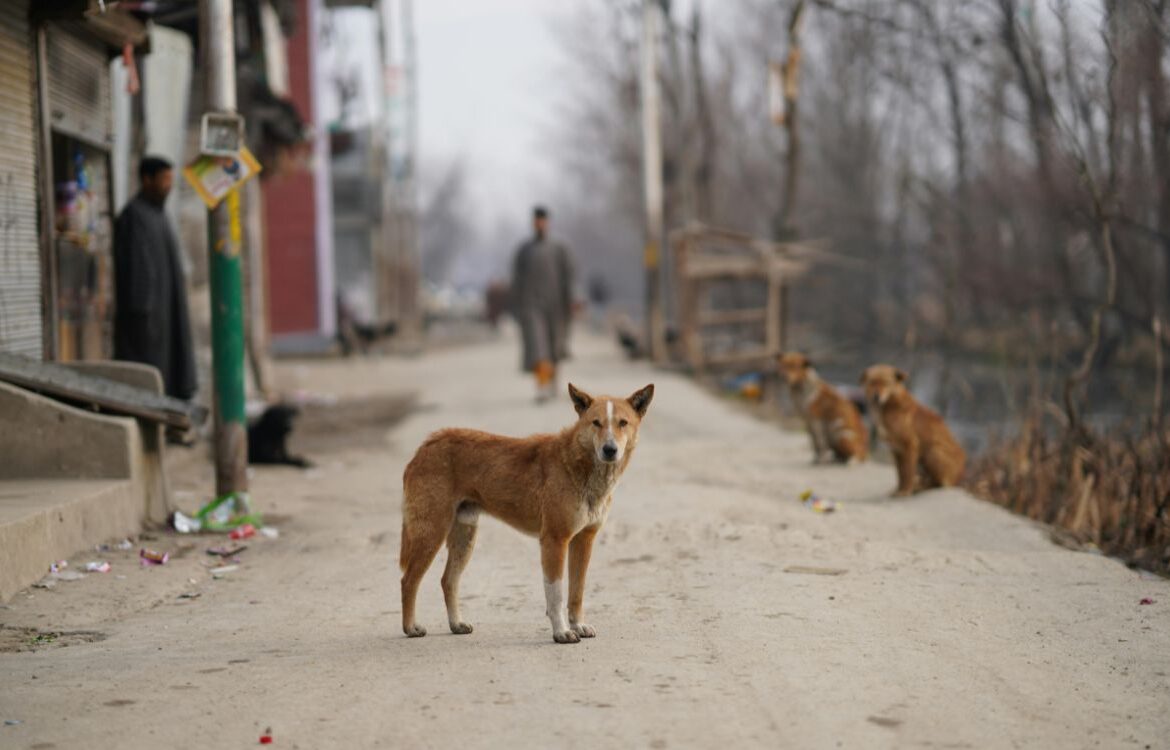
[{"x": 703, "y": 255}]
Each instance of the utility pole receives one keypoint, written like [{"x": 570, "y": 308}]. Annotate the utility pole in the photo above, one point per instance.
[
  {"x": 410, "y": 197},
  {"x": 652, "y": 177},
  {"x": 224, "y": 239},
  {"x": 786, "y": 227},
  {"x": 401, "y": 123},
  {"x": 786, "y": 88}
]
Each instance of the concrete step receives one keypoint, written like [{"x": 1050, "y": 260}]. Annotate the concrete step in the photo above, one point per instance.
[{"x": 44, "y": 520}]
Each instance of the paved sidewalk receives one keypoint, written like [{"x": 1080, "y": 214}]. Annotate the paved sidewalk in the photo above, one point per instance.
[{"x": 953, "y": 624}]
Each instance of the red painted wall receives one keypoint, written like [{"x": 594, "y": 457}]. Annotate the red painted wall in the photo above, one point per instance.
[{"x": 290, "y": 213}]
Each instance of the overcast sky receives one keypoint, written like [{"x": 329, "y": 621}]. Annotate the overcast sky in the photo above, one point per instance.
[
  {"x": 485, "y": 77},
  {"x": 485, "y": 71}
]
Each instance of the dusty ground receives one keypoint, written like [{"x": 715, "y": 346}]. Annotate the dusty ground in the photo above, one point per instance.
[{"x": 953, "y": 623}]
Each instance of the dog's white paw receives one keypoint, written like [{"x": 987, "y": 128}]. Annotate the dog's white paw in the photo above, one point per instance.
[
  {"x": 461, "y": 628},
  {"x": 415, "y": 631},
  {"x": 566, "y": 636},
  {"x": 583, "y": 630}
]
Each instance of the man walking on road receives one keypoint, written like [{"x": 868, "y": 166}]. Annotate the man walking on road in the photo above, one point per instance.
[
  {"x": 151, "y": 324},
  {"x": 542, "y": 301}
]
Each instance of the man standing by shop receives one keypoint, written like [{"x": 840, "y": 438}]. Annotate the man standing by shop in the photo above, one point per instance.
[
  {"x": 151, "y": 323},
  {"x": 542, "y": 301}
]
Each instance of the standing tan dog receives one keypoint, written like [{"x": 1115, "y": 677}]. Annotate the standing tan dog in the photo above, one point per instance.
[
  {"x": 832, "y": 421},
  {"x": 917, "y": 435},
  {"x": 558, "y": 488}
]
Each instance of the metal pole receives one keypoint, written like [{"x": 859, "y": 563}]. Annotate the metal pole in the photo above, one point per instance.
[
  {"x": 224, "y": 239},
  {"x": 651, "y": 176}
]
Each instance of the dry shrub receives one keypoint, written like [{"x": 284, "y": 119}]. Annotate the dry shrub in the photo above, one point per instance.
[{"x": 1109, "y": 489}]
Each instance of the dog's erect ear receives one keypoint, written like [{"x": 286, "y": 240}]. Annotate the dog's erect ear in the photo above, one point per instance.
[
  {"x": 581, "y": 399},
  {"x": 641, "y": 399},
  {"x": 805, "y": 362},
  {"x": 864, "y": 372},
  {"x": 901, "y": 376}
]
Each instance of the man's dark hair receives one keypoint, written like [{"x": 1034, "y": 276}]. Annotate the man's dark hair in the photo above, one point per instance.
[
  {"x": 152, "y": 165},
  {"x": 540, "y": 212}
]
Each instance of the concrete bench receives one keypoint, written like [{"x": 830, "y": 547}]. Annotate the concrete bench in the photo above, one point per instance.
[{"x": 72, "y": 478}]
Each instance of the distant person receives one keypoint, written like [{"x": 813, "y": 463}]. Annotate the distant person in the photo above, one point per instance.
[
  {"x": 542, "y": 301},
  {"x": 495, "y": 302},
  {"x": 599, "y": 295},
  {"x": 151, "y": 324}
]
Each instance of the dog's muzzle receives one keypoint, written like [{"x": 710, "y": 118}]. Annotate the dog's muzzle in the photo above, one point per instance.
[{"x": 609, "y": 452}]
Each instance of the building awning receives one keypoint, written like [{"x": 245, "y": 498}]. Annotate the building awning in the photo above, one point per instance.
[{"x": 101, "y": 18}]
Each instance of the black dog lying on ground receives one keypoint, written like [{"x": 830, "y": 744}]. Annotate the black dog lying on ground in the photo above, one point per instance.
[{"x": 268, "y": 437}]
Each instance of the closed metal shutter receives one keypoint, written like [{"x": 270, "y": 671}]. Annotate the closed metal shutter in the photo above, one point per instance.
[
  {"x": 20, "y": 264},
  {"x": 79, "y": 88}
]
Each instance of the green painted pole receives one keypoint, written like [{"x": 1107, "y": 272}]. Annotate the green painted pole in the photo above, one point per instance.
[
  {"x": 227, "y": 346},
  {"x": 223, "y": 242}
]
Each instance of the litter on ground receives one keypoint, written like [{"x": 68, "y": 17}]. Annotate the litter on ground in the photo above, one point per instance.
[
  {"x": 152, "y": 557},
  {"x": 816, "y": 503}
]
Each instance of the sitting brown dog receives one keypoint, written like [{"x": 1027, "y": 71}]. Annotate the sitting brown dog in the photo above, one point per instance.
[
  {"x": 832, "y": 421},
  {"x": 917, "y": 435}
]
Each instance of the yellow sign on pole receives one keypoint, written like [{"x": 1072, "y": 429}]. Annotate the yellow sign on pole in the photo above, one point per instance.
[
  {"x": 235, "y": 234},
  {"x": 213, "y": 177}
]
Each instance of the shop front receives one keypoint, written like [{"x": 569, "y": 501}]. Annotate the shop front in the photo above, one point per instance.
[{"x": 76, "y": 108}]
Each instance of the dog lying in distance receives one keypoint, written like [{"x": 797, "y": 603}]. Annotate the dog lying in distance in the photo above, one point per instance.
[
  {"x": 268, "y": 437},
  {"x": 925, "y": 452},
  {"x": 355, "y": 336},
  {"x": 833, "y": 422},
  {"x": 558, "y": 488}
]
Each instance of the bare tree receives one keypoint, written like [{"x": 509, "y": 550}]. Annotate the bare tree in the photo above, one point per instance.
[{"x": 445, "y": 226}]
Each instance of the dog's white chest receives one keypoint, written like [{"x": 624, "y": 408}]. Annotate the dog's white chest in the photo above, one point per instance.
[{"x": 596, "y": 499}]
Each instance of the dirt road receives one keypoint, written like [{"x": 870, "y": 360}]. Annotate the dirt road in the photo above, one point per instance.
[{"x": 949, "y": 623}]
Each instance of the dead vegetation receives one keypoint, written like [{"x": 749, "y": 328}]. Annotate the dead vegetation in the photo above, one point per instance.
[{"x": 1108, "y": 490}]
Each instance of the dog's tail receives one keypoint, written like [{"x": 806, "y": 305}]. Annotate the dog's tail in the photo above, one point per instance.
[
  {"x": 404, "y": 546},
  {"x": 404, "y": 551}
]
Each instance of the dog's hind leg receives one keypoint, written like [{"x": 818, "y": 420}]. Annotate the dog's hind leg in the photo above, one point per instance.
[
  {"x": 460, "y": 543},
  {"x": 422, "y": 536}
]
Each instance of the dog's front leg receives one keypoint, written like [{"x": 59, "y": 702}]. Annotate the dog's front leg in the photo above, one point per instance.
[
  {"x": 817, "y": 438},
  {"x": 580, "y": 550},
  {"x": 907, "y": 463},
  {"x": 552, "y": 560}
]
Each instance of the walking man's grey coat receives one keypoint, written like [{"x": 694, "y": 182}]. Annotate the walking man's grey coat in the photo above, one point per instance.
[{"x": 542, "y": 299}]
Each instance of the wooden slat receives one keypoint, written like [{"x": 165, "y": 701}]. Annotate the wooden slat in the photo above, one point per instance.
[
  {"x": 706, "y": 268},
  {"x": 773, "y": 311},
  {"x": 742, "y": 356},
  {"x": 726, "y": 317},
  {"x": 66, "y": 384},
  {"x": 699, "y": 267}
]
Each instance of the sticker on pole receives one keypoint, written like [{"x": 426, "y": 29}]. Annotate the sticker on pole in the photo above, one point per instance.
[{"x": 213, "y": 177}]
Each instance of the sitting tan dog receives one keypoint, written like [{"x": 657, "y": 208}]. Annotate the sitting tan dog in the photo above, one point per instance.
[
  {"x": 917, "y": 435},
  {"x": 558, "y": 488},
  {"x": 832, "y": 421}
]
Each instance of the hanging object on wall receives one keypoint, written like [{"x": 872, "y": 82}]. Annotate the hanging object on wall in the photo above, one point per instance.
[{"x": 132, "y": 83}]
